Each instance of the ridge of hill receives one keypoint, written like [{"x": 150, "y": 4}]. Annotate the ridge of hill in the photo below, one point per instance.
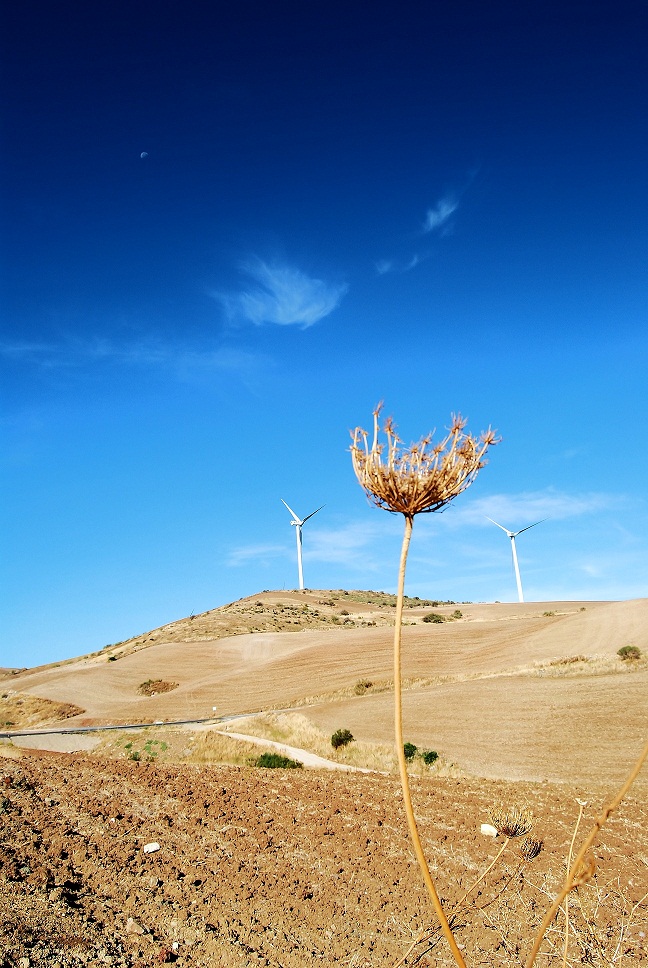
[{"x": 512, "y": 690}]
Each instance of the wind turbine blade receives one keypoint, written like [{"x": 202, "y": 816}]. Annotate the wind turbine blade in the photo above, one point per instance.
[
  {"x": 312, "y": 513},
  {"x": 291, "y": 511},
  {"x": 531, "y": 526},
  {"x": 506, "y": 530}
]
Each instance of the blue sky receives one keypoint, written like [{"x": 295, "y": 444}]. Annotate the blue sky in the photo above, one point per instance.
[{"x": 230, "y": 230}]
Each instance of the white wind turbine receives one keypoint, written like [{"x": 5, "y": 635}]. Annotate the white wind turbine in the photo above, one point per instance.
[
  {"x": 513, "y": 535},
  {"x": 298, "y": 524}
]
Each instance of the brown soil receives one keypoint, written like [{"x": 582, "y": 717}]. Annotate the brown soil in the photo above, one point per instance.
[{"x": 289, "y": 868}]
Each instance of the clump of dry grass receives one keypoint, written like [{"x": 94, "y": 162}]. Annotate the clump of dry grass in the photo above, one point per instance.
[{"x": 211, "y": 747}]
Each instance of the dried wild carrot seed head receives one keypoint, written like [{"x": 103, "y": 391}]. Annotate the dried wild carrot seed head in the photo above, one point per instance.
[
  {"x": 512, "y": 821},
  {"x": 422, "y": 478},
  {"x": 530, "y": 848}
]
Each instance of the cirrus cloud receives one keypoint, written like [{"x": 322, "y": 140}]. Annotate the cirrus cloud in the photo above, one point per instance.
[
  {"x": 281, "y": 294},
  {"x": 439, "y": 215}
]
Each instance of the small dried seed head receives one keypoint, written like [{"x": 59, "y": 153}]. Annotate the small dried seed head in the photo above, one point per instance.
[
  {"x": 530, "y": 848},
  {"x": 512, "y": 821},
  {"x": 422, "y": 478}
]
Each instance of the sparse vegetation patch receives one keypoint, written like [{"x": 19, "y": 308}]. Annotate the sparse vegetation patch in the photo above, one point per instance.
[
  {"x": 23, "y": 710},
  {"x": 152, "y": 687},
  {"x": 434, "y": 617},
  {"x": 629, "y": 653},
  {"x": 275, "y": 761},
  {"x": 361, "y": 686}
]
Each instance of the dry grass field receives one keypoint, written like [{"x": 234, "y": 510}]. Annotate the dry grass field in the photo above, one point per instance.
[{"x": 525, "y": 704}]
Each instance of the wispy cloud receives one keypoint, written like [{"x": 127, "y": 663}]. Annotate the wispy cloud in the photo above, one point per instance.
[
  {"x": 519, "y": 510},
  {"x": 281, "y": 294},
  {"x": 77, "y": 353},
  {"x": 437, "y": 217},
  {"x": 259, "y": 553},
  {"x": 383, "y": 266},
  {"x": 25, "y": 351},
  {"x": 350, "y": 543}
]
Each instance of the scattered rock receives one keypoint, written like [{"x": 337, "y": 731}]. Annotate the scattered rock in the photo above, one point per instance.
[{"x": 488, "y": 830}]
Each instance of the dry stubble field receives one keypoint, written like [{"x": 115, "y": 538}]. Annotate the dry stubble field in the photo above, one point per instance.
[{"x": 526, "y": 705}]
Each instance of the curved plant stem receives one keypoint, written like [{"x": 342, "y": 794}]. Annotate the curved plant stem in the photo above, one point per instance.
[
  {"x": 402, "y": 763},
  {"x": 481, "y": 877},
  {"x": 581, "y": 806},
  {"x": 574, "y": 875}
]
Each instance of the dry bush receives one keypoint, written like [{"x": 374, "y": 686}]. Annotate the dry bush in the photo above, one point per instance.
[{"x": 153, "y": 687}]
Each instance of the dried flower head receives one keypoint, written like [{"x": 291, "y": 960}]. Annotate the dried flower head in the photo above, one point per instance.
[
  {"x": 512, "y": 821},
  {"x": 530, "y": 848},
  {"x": 422, "y": 478}
]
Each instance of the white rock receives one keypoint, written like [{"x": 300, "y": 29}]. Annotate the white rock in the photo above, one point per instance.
[
  {"x": 151, "y": 848},
  {"x": 486, "y": 828}
]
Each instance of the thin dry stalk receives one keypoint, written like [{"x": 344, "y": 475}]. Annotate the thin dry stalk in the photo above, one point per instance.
[
  {"x": 581, "y": 870},
  {"x": 581, "y": 806},
  {"x": 462, "y": 900},
  {"x": 402, "y": 762},
  {"x": 421, "y": 479}
]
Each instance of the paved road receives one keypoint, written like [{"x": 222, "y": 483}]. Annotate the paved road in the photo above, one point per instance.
[{"x": 62, "y": 730}]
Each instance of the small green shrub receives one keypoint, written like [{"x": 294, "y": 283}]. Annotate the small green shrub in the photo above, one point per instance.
[
  {"x": 409, "y": 750},
  {"x": 275, "y": 761},
  {"x": 430, "y": 757},
  {"x": 629, "y": 652},
  {"x": 548, "y": 614},
  {"x": 341, "y": 737},
  {"x": 457, "y": 613},
  {"x": 433, "y": 617},
  {"x": 135, "y": 755}
]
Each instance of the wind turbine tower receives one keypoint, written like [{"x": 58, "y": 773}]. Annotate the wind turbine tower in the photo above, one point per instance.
[
  {"x": 298, "y": 524},
  {"x": 513, "y": 535}
]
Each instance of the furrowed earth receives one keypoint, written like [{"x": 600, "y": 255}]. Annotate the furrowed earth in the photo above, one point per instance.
[{"x": 166, "y": 844}]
